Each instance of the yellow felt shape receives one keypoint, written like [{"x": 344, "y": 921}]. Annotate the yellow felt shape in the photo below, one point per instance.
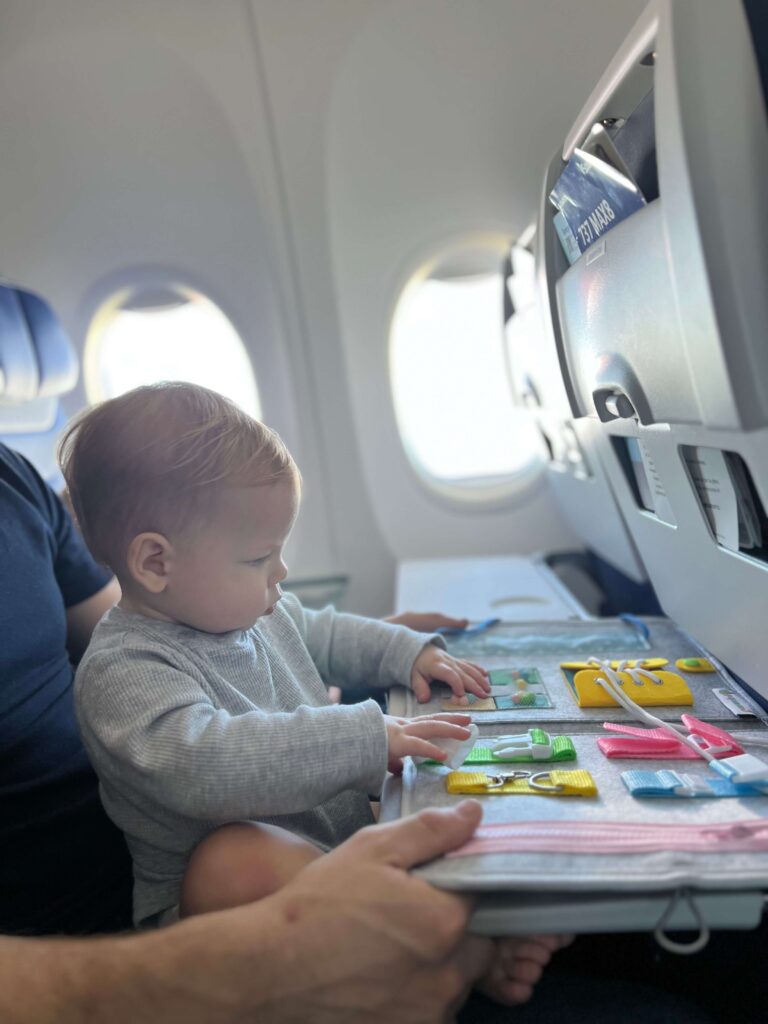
[
  {"x": 695, "y": 665},
  {"x": 671, "y": 690}
]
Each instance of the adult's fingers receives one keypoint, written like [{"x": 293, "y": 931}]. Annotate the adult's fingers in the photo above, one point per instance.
[
  {"x": 439, "y": 621},
  {"x": 423, "y": 836}
]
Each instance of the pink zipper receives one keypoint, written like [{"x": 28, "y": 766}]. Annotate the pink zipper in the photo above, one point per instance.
[{"x": 615, "y": 837}]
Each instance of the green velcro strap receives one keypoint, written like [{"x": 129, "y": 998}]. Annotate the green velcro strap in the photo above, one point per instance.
[
  {"x": 563, "y": 749},
  {"x": 480, "y": 755}
]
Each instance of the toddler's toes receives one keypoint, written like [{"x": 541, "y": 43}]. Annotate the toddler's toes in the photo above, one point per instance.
[
  {"x": 517, "y": 966},
  {"x": 498, "y": 986},
  {"x": 535, "y": 949}
]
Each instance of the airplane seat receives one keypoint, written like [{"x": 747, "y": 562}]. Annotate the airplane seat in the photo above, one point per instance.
[
  {"x": 38, "y": 363},
  {"x": 658, "y": 317},
  {"x": 607, "y": 576},
  {"x": 616, "y": 593}
]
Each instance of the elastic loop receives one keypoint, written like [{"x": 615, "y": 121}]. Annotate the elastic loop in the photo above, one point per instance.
[{"x": 671, "y": 945}]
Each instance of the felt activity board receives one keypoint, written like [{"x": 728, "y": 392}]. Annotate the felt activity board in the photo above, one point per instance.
[
  {"x": 511, "y": 690},
  {"x": 708, "y": 695},
  {"x": 568, "y": 819}
]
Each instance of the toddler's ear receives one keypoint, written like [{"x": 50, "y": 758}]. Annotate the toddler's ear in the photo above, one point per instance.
[{"x": 148, "y": 560}]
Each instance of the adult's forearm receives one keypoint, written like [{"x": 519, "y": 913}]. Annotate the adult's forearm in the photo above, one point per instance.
[
  {"x": 352, "y": 938},
  {"x": 191, "y": 972}
]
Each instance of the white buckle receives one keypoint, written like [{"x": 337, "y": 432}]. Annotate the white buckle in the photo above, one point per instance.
[
  {"x": 513, "y": 746},
  {"x": 742, "y": 769},
  {"x": 689, "y": 786}
]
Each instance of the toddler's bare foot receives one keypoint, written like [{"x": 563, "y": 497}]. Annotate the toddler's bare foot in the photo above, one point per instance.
[{"x": 517, "y": 965}]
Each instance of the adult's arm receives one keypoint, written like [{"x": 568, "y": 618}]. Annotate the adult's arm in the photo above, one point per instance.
[
  {"x": 427, "y": 622},
  {"x": 352, "y": 938},
  {"x": 83, "y": 616}
]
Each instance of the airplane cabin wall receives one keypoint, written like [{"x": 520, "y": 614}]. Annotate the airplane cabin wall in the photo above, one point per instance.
[
  {"x": 460, "y": 106},
  {"x": 219, "y": 145}
]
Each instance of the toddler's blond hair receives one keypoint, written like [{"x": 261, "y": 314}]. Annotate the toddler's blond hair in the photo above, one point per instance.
[{"x": 153, "y": 460}]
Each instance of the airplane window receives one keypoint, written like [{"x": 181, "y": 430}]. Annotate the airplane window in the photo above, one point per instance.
[
  {"x": 450, "y": 384},
  {"x": 145, "y": 336}
]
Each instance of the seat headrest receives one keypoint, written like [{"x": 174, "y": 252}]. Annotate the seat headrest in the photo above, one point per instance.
[{"x": 37, "y": 359}]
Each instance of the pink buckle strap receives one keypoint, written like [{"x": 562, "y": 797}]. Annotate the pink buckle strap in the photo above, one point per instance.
[
  {"x": 658, "y": 743},
  {"x": 749, "y": 835}
]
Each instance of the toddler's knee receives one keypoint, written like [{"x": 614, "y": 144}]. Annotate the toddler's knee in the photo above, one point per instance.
[{"x": 241, "y": 863}]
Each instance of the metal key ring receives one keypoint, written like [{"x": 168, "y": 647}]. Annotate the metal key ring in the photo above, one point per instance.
[
  {"x": 495, "y": 781},
  {"x": 544, "y": 789}
]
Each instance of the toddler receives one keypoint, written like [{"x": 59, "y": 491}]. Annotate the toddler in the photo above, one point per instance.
[{"x": 202, "y": 698}]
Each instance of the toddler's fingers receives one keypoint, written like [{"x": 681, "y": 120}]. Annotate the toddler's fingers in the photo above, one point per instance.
[
  {"x": 427, "y": 728},
  {"x": 450, "y": 674},
  {"x": 421, "y": 689},
  {"x": 478, "y": 689},
  {"x": 447, "y": 716},
  {"x": 477, "y": 673},
  {"x": 417, "y": 747}
]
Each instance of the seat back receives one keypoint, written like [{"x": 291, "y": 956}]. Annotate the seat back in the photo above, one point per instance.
[{"x": 38, "y": 363}]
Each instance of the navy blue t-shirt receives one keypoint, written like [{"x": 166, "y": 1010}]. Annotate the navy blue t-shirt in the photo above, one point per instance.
[{"x": 63, "y": 866}]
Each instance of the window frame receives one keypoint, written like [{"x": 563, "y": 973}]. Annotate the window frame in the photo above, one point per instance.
[
  {"x": 110, "y": 293},
  {"x": 487, "y": 493}
]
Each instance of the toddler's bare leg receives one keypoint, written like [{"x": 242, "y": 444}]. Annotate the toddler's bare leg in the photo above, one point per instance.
[
  {"x": 240, "y": 863},
  {"x": 517, "y": 965}
]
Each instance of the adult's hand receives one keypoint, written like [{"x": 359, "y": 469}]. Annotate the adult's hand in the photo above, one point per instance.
[
  {"x": 373, "y": 943},
  {"x": 427, "y": 622},
  {"x": 352, "y": 938}
]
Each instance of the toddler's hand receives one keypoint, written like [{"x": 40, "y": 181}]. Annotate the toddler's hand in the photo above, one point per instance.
[
  {"x": 412, "y": 735},
  {"x": 462, "y": 676}
]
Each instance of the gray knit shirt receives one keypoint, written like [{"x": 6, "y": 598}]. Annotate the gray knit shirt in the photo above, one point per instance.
[{"x": 189, "y": 730}]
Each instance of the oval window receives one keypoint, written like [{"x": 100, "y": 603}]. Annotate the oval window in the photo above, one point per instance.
[
  {"x": 450, "y": 385},
  {"x": 142, "y": 336}
]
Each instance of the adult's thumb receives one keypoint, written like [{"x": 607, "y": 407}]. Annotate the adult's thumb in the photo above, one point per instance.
[{"x": 428, "y": 834}]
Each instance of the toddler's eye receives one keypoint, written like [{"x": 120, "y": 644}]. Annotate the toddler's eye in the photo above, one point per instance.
[{"x": 257, "y": 561}]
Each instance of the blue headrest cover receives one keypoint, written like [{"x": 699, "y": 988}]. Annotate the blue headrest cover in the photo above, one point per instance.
[{"x": 37, "y": 359}]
